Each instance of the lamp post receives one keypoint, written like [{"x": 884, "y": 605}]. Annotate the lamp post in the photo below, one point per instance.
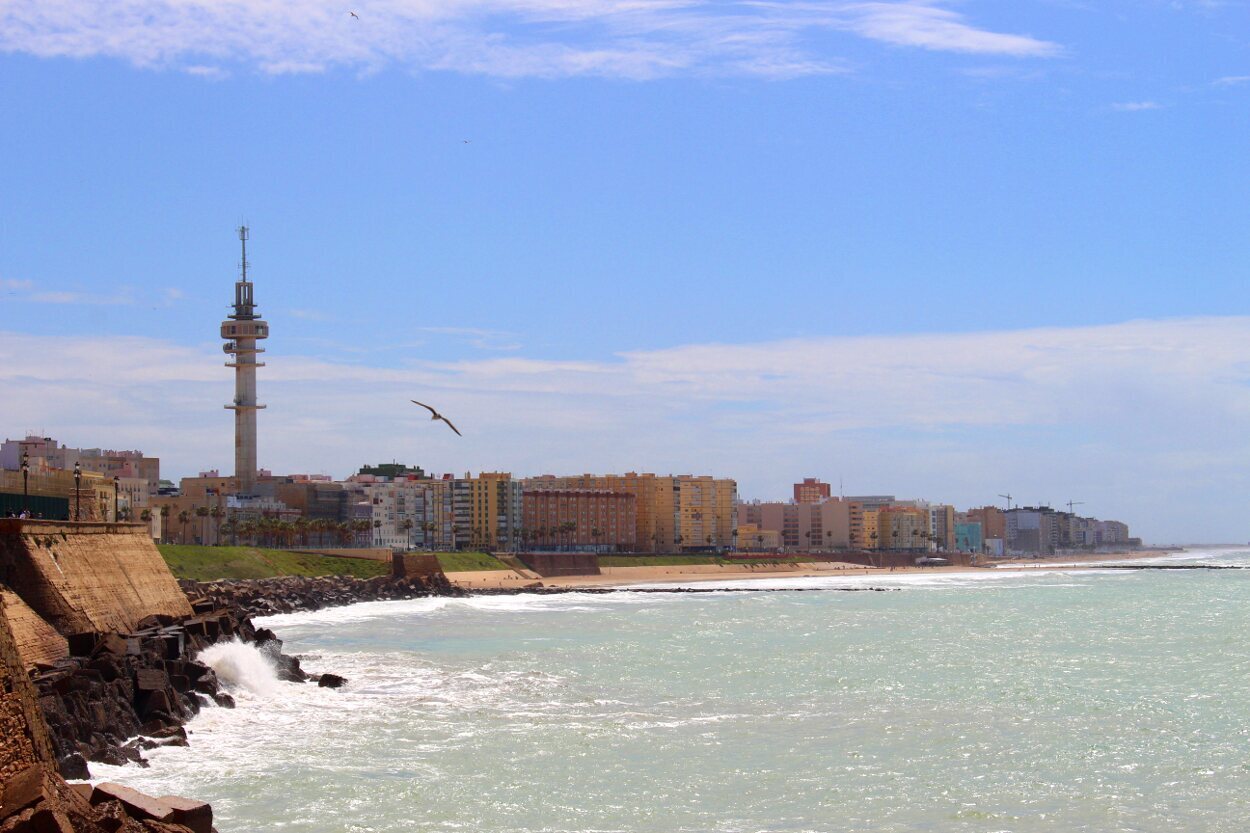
[
  {"x": 26, "y": 481},
  {"x": 77, "y": 490},
  {"x": 116, "y": 486}
]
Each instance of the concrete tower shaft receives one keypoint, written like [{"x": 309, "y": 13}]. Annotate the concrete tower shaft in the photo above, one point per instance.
[{"x": 241, "y": 331}]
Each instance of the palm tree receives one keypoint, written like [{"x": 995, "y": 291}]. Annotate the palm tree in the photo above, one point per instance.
[
  {"x": 216, "y": 514},
  {"x": 201, "y": 512},
  {"x": 164, "y": 510},
  {"x": 427, "y": 529},
  {"x": 301, "y": 530},
  {"x": 377, "y": 532},
  {"x": 407, "y": 525},
  {"x": 183, "y": 517}
]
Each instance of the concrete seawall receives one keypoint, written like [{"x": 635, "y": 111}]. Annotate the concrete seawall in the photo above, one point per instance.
[
  {"x": 88, "y": 577},
  {"x": 26, "y": 741}
]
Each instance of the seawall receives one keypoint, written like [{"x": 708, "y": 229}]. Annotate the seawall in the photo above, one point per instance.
[{"x": 88, "y": 577}]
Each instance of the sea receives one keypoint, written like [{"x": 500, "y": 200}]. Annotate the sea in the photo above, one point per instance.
[{"x": 999, "y": 700}]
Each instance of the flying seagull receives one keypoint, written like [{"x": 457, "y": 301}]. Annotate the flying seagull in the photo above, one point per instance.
[
  {"x": 353, "y": 14},
  {"x": 437, "y": 415}
]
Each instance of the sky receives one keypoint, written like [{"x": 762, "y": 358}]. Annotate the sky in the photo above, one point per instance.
[{"x": 943, "y": 250}]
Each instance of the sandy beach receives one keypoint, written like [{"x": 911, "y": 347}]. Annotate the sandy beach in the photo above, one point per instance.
[{"x": 626, "y": 576}]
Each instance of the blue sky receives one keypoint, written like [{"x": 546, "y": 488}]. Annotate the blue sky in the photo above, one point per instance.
[{"x": 760, "y": 240}]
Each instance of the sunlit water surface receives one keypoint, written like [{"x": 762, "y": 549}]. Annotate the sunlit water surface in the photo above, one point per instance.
[{"x": 1090, "y": 700}]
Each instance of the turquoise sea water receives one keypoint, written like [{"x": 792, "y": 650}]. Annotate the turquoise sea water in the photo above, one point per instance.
[{"x": 991, "y": 701}]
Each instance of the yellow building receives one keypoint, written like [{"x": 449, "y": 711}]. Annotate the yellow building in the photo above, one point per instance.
[
  {"x": 488, "y": 511},
  {"x": 903, "y": 528},
  {"x": 865, "y": 534},
  {"x": 753, "y": 539}
]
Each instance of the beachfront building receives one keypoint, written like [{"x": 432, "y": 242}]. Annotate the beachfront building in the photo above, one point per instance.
[
  {"x": 942, "y": 526},
  {"x": 673, "y": 512},
  {"x": 968, "y": 537},
  {"x": 992, "y": 519},
  {"x": 409, "y": 514},
  {"x": 1111, "y": 533},
  {"x": 1031, "y": 530},
  {"x": 751, "y": 538},
  {"x": 903, "y": 528},
  {"x": 584, "y": 520},
  {"x": 488, "y": 511},
  {"x": 811, "y": 490},
  {"x": 815, "y": 527}
]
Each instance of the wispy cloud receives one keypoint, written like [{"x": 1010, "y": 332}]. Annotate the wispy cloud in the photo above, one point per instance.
[
  {"x": 481, "y": 338},
  {"x": 1232, "y": 80},
  {"x": 1135, "y": 106},
  {"x": 84, "y": 298},
  {"x": 1143, "y": 420},
  {"x": 929, "y": 26},
  {"x": 636, "y": 39}
]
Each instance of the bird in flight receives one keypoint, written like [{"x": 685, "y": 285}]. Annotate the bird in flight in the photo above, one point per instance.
[
  {"x": 437, "y": 415},
  {"x": 353, "y": 14}
]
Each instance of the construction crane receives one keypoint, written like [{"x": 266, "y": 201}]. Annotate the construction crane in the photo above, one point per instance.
[
  {"x": 1072, "y": 503},
  {"x": 1008, "y": 497}
]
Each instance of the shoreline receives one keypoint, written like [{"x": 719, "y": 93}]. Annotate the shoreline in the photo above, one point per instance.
[{"x": 492, "y": 581}]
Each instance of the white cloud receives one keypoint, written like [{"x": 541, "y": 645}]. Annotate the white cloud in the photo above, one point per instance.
[
  {"x": 1135, "y": 106},
  {"x": 507, "y": 38},
  {"x": 1232, "y": 80},
  {"x": 479, "y": 338},
  {"x": 1144, "y": 420},
  {"x": 930, "y": 26}
]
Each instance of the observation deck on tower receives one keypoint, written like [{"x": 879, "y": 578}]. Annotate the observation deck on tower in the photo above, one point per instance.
[{"x": 241, "y": 331}]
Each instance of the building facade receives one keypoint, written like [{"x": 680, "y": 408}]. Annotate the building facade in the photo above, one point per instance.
[
  {"x": 583, "y": 520},
  {"x": 811, "y": 490}
]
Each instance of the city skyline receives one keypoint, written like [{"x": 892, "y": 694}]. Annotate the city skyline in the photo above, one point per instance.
[{"x": 928, "y": 248}]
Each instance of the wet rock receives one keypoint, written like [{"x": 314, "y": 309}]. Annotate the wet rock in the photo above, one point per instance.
[{"x": 331, "y": 681}]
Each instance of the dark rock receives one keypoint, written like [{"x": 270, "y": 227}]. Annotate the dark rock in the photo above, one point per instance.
[
  {"x": 331, "y": 681},
  {"x": 151, "y": 679}
]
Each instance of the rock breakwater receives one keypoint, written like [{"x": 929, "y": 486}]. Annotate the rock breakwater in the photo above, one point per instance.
[
  {"x": 289, "y": 594},
  {"x": 118, "y": 694}
]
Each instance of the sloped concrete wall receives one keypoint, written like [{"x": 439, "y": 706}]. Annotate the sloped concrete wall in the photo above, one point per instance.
[
  {"x": 88, "y": 577},
  {"x": 553, "y": 564},
  {"x": 36, "y": 640},
  {"x": 23, "y": 734}
]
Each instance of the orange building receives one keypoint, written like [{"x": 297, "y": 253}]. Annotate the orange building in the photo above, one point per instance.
[
  {"x": 580, "y": 519},
  {"x": 811, "y": 490}
]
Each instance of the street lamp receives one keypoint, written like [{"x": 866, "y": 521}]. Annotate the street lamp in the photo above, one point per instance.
[
  {"x": 26, "y": 481},
  {"x": 116, "y": 486},
  {"x": 77, "y": 490}
]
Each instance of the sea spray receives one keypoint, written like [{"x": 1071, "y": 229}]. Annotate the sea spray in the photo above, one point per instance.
[{"x": 242, "y": 667}]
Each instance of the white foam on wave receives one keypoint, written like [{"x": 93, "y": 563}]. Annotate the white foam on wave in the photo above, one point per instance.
[
  {"x": 907, "y": 580},
  {"x": 519, "y": 603},
  {"x": 242, "y": 668}
]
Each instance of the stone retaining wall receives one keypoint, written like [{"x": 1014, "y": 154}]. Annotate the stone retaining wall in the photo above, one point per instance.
[{"x": 88, "y": 577}]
